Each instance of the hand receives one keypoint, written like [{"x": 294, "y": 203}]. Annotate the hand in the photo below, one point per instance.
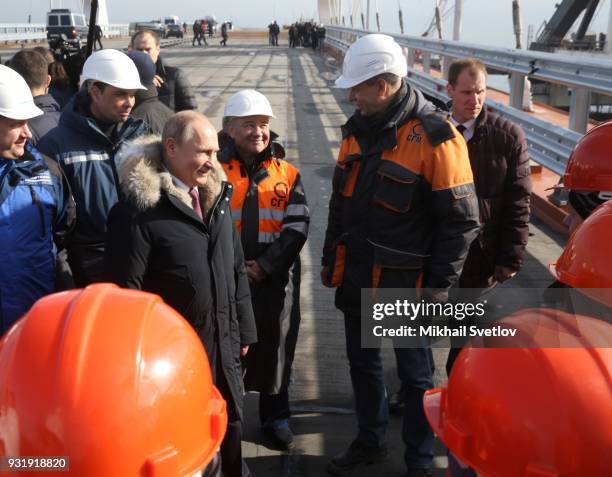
[
  {"x": 501, "y": 273},
  {"x": 254, "y": 271},
  {"x": 244, "y": 350},
  {"x": 158, "y": 81},
  {"x": 326, "y": 276},
  {"x": 433, "y": 295}
]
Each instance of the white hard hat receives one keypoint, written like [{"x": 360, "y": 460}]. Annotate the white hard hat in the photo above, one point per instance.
[
  {"x": 112, "y": 67},
  {"x": 248, "y": 102},
  {"x": 371, "y": 56},
  {"x": 16, "y": 100}
]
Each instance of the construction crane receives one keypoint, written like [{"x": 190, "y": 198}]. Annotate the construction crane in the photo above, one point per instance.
[{"x": 566, "y": 14}]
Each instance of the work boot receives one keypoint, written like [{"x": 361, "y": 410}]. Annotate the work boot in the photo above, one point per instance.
[
  {"x": 281, "y": 437},
  {"x": 397, "y": 402},
  {"x": 357, "y": 455}
]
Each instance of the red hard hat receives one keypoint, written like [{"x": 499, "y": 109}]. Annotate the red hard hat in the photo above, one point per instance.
[
  {"x": 113, "y": 379},
  {"x": 586, "y": 262},
  {"x": 531, "y": 412},
  {"x": 589, "y": 167}
]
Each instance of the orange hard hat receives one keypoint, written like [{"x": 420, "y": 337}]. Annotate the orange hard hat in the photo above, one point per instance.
[
  {"x": 115, "y": 380},
  {"x": 586, "y": 261},
  {"x": 589, "y": 167},
  {"x": 531, "y": 412}
]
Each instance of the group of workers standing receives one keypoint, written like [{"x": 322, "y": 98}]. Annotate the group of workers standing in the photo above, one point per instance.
[
  {"x": 214, "y": 221},
  {"x": 202, "y": 28},
  {"x": 307, "y": 34}
]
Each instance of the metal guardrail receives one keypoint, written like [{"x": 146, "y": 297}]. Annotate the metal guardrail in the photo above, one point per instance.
[
  {"x": 22, "y": 32},
  {"x": 14, "y": 32},
  {"x": 583, "y": 75},
  {"x": 569, "y": 70},
  {"x": 549, "y": 144},
  {"x": 118, "y": 29}
]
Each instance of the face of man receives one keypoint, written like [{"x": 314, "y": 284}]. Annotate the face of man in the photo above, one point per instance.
[
  {"x": 369, "y": 98},
  {"x": 110, "y": 104},
  {"x": 468, "y": 95},
  {"x": 251, "y": 134},
  {"x": 13, "y": 137},
  {"x": 146, "y": 44},
  {"x": 192, "y": 161}
]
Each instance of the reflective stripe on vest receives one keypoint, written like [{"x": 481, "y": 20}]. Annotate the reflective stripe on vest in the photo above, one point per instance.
[{"x": 272, "y": 194}]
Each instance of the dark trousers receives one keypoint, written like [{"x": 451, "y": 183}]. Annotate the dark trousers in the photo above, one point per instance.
[
  {"x": 273, "y": 407},
  {"x": 415, "y": 368},
  {"x": 232, "y": 463}
]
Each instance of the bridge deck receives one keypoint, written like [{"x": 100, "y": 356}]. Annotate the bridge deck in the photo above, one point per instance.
[
  {"x": 309, "y": 113},
  {"x": 308, "y": 116}
]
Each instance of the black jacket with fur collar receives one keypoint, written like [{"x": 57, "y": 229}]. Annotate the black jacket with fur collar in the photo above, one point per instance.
[{"x": 156, "y": 242}]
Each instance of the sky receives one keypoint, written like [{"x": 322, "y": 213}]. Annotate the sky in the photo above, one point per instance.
[{"x": 484, "y": 21}]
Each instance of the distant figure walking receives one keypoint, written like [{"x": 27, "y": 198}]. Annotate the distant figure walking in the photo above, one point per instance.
[
  {"x": 196, "y": 33},
  {"x": 274, "y": 31},
  {"x": 224, "y": 34},
  {"x": 98, "y": 37}
]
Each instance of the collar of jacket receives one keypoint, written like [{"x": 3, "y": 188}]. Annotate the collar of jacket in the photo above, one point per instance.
[
  {"x": 143, "y": 178},
  {"x": 144, "y": 95},
  {"x": 46, "y": 103},
  {"x": 73, "y": 119},
  {"x": 160, "y": 67},
  {"x": 229, "y": 152},
  {"x": 481, "y": 119},
  {"x": 359, "y": 125},
  {"x": 29, "y": 163}
]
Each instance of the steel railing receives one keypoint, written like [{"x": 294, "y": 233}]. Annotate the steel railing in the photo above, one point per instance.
[
  {"x": 583, "y": 75},
  {"x": 549, "y": 145},
  {"x": 16, "y": 32},
  {"x": 23, "y": 32}
]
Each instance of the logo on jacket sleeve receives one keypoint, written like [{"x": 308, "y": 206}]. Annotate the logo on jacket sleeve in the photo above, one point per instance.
[{"x": 417, "y": 134}]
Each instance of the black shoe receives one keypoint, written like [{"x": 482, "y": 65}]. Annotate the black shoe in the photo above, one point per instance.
[
  {"x": 420, "y": 472},
  {"x": 357, "y": 455},
  {"x": 397, "y": 402},
  {"x": 281, "y": 437}
]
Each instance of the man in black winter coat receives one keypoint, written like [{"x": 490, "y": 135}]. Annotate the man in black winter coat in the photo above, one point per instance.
[
  {"x": 33, "y": 67},
  {"x": 173, "y": 87},
  {"x": 148, "y": 107},
  {"x": 172, "y": 234},
  {"x": 499, "y": 157}
]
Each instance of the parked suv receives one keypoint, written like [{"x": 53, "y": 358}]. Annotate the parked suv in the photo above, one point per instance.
[
  {"x": 174, "y": 30},
  {"x": 61, "y": 21}
]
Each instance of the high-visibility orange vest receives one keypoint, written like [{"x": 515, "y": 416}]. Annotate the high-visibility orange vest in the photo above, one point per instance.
[{"x": 273, "y": 183}]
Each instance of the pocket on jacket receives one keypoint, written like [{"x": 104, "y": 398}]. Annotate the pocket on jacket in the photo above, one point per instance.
[
  {"x": 395, "y": 268},
  {"x": 395, "y": 187}
]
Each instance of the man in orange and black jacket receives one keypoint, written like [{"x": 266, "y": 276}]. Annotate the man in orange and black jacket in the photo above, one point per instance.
[{"x": 402, "y": 214}]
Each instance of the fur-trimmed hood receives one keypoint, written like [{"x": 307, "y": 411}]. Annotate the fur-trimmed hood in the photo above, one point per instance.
[{"x": 142, "y": 176}]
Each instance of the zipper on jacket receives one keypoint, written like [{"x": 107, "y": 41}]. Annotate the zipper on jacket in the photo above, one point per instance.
[
  {"x": 221, "y": 197},
  {"x": 41, "y": 212}
]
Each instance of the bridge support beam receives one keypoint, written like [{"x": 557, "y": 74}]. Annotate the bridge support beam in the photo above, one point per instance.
[
  {"x": 426, "y": 62},
  {"x": 445, "y": 62},
  {"x": 409, "y": 53},
  {"x": 579, "y": 109},
  {"x": 517, "y": 89}
]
